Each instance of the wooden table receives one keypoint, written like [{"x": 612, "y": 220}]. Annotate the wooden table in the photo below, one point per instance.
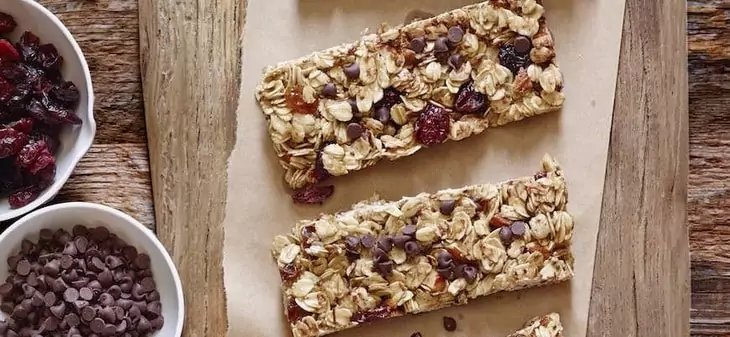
[{"x": 190, "y": 71}]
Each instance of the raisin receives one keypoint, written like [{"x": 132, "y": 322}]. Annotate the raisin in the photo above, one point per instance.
[
  {"x": 48, "y": 57},
  {"x": 24, "y": 125},
  {"x": 313, "y": 194},
  {"x": 8, "y": 53},
  {"x": 11, "y": 142},
  {"x": 23, "y": 197},
  {"x": 7, "y": 23},
  {"x": 28, "y": 47},
  {"x": 66, "y": 92},
  {"x": 432, "y": 126},
  {"x": 470, "y": 101},
  {"x": 34, "y": 157},
  {"x": 380, "y": 312},
  {"x": 513, "y": 60},
  {"x": 59, "y": 113},
  {"x": 7, "y": 90}
]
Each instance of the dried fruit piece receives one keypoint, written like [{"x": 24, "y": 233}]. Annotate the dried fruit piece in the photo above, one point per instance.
[
  {"x": 390, "y": 98},
  {"x": 295, "y": 101},
  {"x": 7, "y": 23},
  {"x": 11, "y": 142},
  {"x": 313, "y": 194},
  {"x": 6, "y": 90},
  {"x": 28, "y": 47},
  {"x": 513, "y": 60},
  {"x": 432, "y": 126},
  {"x": 470, "y": 101},
  {"x": 380, "y": 312},
  {"x": 35, "y": 156},
  {"x": 48, "y": 57},
  {"x": 23, "y": 197},
  {"x": 8, "y": 53},
  {"x": 24, "y": 125}
]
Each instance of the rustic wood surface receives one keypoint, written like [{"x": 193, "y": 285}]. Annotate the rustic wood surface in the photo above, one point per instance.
[{"x": 190, "y": 53}]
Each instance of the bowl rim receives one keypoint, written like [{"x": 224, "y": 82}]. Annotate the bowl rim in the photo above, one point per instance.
[
  {"x": 82, "y": 206},
  {"x": 83, "y": 147}
]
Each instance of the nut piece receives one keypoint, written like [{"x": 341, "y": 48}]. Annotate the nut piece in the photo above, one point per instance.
[
  {"x": 386, "y": 259},
  {"x": 481, "y": 66}
]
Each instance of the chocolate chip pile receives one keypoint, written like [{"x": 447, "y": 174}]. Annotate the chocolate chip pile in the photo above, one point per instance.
[{"x": 85, "y": 283}]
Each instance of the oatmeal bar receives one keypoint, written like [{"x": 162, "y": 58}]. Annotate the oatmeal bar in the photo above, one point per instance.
[
  {"x": 390, "y": 94},
  {"x": 386, "y": 259},
  {"x": 545, "y": 326}
]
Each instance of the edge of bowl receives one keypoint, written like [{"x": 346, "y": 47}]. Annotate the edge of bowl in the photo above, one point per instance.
[
  {"x": 82, "y": 144},
  {"x": 132, "y": 221}
]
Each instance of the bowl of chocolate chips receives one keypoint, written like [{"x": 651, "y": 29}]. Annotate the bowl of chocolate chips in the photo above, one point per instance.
[
  {"x": 46, "y": 106},
  {"x": 86, "y": 270}
]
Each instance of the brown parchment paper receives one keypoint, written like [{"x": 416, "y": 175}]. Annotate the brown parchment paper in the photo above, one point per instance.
[{"x": 587, "y": 35}]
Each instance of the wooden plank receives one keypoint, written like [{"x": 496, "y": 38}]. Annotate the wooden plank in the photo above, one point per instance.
[
  {"x": 641, "y": 280},
  {"x": 190, "y": 67},
  {"x": 709, "y": 97}
]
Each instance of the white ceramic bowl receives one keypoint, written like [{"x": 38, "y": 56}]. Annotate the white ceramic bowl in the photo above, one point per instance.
[
  {"x": 76, "y": 140},
  {"x": 67, "y": 215}
]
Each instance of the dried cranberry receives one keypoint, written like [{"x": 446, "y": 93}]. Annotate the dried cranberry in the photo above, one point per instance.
[
  {"x": 48, "y": 57},
  {"x": 8, "y": 53},
  {"x": 28, "y": 47},
  {"x": 390, "y": 98},
  {"x": 469, "y": 100},
  {"x": 6, "y": 90},
  {"x": 378, "y": 313},
  {"x": 432, "y": 126},
  {"x": 313, "y": 194},
  {"x": 295, "y": 100},
  {"x": 51, "y": 139},
  {"x": 11, "y": 142},
  {"x": 294, "y": 312},
  {"x": 24, "y": 125},
  {"x": 289, "y": 273},
  {"x": 66, "y": 92},
  {"x": 7, "y": 23},
  {"x": 14, "y": 72},
  {"x": 512, "y": 60},
  {"x": 34, "y": 157},
  {"x": 59, "y": 113},
  {"x": 23, "y": 197}
]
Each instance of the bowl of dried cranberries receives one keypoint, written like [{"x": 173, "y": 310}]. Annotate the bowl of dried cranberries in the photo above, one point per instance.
[{"x": 46, "y": 106}]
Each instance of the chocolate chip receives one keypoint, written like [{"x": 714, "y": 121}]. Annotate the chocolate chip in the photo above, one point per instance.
[
  {"x": 46, "y": 235},
  {"x": 113, "y": 262},
  {"x": 518, "y": 228},
  {"x": 88, "y": 313},
  {"x": 385, "y": 268},
  {"x": 67, "y": 262},
  {"x": 440, "y": 46},
  {"x": 70, "y": 276},
  {"x": 72, "y": 319},
  {"x": 386, "y": 244},
  {"x": 122, "y": 327},
  {"x": 105, "y": 278},
  {"x": 354, "y": 131},
  {"x": 379, "y": 255},
  {"x": 416, "y": 334},
  {"x": 469, "y": 273},
  {"x": 418, "y": 44},
  {"x": 412, "y": 248},
  {"x": 99, "y": 234},
  {"x": 130, "y": 253},
  {"x": 109, "y": 330},
  {"x": 144, "y": 324},
  {"x": 367, "y": 241},
  {"x": 59, "y": 285},
  {"x": 50, "y": 324},
  {"x": 351, "y": 243},
  {"x": 134, "y": 311},
  {"x": 80, "y": 283},
  {"x": 455, "y": 34},
  {"x": 96, "y": 264},
  {"x": 522, "y": 44},
  {"x": 157, "y": 323},
  {"x": 444, "y": 259},
  {"x": 153, "y": 296},
  {"x": 446, "y": 272},
  {"x": 50, "y": 299},
  {"x": 3, "y": 327},
  {"x": 409, "y": 230},
  {"x": 120, "y": 313},
  {"x": 142, "y": 261},
  {"x": 124, "y": 303},
  {"x": 86, "y": 294},
  {"x": 352, "y": 71},
  {"x": 456, "y": 61},
  {"x": 116, "y": 291},
  {"x": 82, "y": 243},
  {"x": 106, "y": 299},
  {"x": 94, "y": 285},
  {"x": 28, "y": 290},
  {"x": 23, "y": 268},
  {"x": 154, "y": 308},
  {"x": 447, "y": 207},
  {"x": 97, "y": 325},
  {"x": 383, "y": 114},
  {"x": 7, "y": 307},
  {"x": 11, "y": 333},
  {"x": 19, "y": 312},
  {"x": 449, "y": 323},
  {"x": 329, "y": 90},
  {"x": 38, "y": 299},
  {"x": 400, "y": 240},
  {"x": 505, "y": 234},
  {"x": 26, "y": 247},
  {"x": 71, "y": 295},
  {"x": 5, "y": 289},
  {"x": 353, "y": 107},
  {"x": 79, "y": 230},
  {"x": 108, "y": 315}
]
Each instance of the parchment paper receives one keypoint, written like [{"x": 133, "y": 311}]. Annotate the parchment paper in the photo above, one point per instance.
[{"x": 587, "y": 35}]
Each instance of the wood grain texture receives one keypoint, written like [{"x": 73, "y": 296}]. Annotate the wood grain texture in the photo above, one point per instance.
[
  {"x": 709, "y": 182},
  {"x": 641, "y": 280},
  {"x": 190, "y": 64},
  {"x": 115, "y": 172}
]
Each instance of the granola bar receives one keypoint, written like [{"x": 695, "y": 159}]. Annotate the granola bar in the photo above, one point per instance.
[
  {"x": 545, "y": 326},
  {"x": 391, "y": 94},
  {"x": 385, "y": 259}
]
